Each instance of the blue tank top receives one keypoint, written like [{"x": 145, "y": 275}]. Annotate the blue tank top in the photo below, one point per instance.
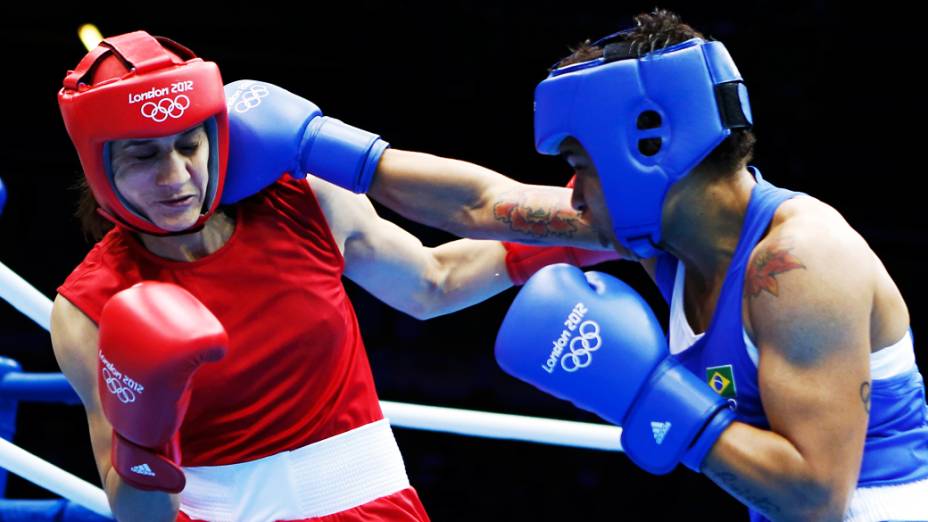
[{"x": 896, "y": 447}]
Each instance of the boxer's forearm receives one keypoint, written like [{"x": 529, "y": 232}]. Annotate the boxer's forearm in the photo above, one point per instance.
[
  {"x": 768, "y": 473},
  {"x": 428, "y": 189},
  {"x": 471, "y": 271},
  {"x": 472, "y": 201},
  {"x": 131, "y": 504}
]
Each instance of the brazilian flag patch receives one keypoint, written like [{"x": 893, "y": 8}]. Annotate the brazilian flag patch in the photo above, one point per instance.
[{"x": 722, "y": 380}]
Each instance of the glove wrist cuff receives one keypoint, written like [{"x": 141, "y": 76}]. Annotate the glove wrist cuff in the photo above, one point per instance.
[
  {"x": 522, "y": 261},
  {"x": 147, "y": 468},
  {"x": 341, "y": 154},
  {"x": 696, "y": 454}
]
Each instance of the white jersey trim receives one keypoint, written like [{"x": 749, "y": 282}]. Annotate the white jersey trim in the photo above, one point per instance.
[{"x": 899, "y": 502}]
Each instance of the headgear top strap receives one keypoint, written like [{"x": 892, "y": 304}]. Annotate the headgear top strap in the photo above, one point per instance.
[{"x": 139, "y": 50}]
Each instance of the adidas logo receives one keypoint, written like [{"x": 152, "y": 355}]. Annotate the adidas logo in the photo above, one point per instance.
[
  {"x": 143, "y": 469},
  {"x": 660, "y": 430}
]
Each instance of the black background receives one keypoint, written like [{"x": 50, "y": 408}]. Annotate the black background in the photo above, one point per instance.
[{"x": 835, "y": 102}]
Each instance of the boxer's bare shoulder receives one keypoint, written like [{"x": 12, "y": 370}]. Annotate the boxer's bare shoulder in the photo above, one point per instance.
[
  {"x": 74, "y": 340},
  {"x": 829, "y": 263}
]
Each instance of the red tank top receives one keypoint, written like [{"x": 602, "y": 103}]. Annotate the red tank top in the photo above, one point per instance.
[{"x": 296, "y": 371}]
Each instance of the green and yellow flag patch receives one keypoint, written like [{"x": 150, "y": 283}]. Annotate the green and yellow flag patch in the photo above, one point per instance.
[{"x": 722, "y": 380}]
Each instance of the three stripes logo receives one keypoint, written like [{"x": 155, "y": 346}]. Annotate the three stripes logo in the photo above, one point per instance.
[
  {"x": 143, "y": 469},
  {"x": 660, "y": 430}
]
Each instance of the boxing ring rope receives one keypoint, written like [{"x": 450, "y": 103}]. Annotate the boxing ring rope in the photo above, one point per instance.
[
  {"x": 25, "y": 298},
  {"x": 503, "y": 426},
  {"x": 16, "y": 386},
  {"x": 53, "y": 478}
]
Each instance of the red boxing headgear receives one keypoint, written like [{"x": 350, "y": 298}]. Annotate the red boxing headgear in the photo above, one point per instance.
[{"x": 136, "y": 86}]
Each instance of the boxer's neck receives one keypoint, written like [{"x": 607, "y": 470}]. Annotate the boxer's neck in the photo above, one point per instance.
[
  {"x": 190, "y": 247},
  {"x": 702, "y": 221}
]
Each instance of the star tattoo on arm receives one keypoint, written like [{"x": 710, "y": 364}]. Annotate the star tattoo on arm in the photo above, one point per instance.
[{"x": 769, "y": 263}]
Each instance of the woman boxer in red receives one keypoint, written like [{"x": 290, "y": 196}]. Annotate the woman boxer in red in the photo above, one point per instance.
[{"x": 269, "y": 413}]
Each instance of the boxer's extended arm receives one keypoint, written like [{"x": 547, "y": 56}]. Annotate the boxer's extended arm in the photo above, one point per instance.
[
  {"x": 809, "y": 300},
  {"x": 472, "y": 201},
  {"x": 75, "y": 340},
  {"x": 282, "y": 132},
  {"x": 398, "y": 269}
]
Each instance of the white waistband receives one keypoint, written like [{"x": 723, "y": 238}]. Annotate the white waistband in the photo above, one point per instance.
[
  {"x": 329, "y": 476},
  {"x": 900, "y": 502}
]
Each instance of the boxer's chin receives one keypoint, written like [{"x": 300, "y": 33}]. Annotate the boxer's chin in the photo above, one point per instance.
[
  {"x": 620, "y": 249},
  {"x": 625, "y": 253},
  {"x": 176, "y": 221}
]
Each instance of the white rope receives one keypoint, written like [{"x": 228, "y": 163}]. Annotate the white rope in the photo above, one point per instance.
[
  {"x": 52, "y": 478},
  {"x": 24, "y": 297},
  {"x": 503, "y": 426}
]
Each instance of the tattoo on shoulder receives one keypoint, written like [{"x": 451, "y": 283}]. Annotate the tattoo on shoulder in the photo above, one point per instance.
[
  {"x": 534, "y": 220},
  {"x": 865, "y": 395},
  {"x": 768, "y": 263}
]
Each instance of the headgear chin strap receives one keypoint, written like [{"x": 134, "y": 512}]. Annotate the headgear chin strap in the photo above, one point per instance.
[
  {"x": 645, "y": 123},
  {"x": 136, "y": 86}
]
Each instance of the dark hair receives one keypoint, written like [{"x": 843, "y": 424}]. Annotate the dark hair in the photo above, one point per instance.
[
  {"x": 93, "y": 225},
  {"x": 656, "y": 30}
]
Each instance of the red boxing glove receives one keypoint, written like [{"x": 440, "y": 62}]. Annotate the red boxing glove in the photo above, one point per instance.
[
  {"x": 522, "y": 261},
  {"x": 153, "y": 337}
]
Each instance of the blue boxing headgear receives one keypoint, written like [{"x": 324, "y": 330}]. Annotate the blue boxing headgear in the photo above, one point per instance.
[{"x": 644, "y": 121}]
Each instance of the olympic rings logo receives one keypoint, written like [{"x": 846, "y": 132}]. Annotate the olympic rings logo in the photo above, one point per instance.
[
  {"x": 589, "y": 341},
  {"x": 124, "y": 394},
  {"x": 166, "y": 108},
  {"x": 251, "y": 98}
]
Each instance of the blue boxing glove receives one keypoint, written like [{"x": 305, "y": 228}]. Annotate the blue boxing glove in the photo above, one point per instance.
[
  {"x": 591, "y": 339},
  {"x": 273, "y": 131}
]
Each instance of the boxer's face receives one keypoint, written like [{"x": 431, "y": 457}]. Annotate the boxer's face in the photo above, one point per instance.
[
  {"x": 164, "y": 178},
  {"x": 588, "y": 193},
  {"x": 588, "y": 196}
]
